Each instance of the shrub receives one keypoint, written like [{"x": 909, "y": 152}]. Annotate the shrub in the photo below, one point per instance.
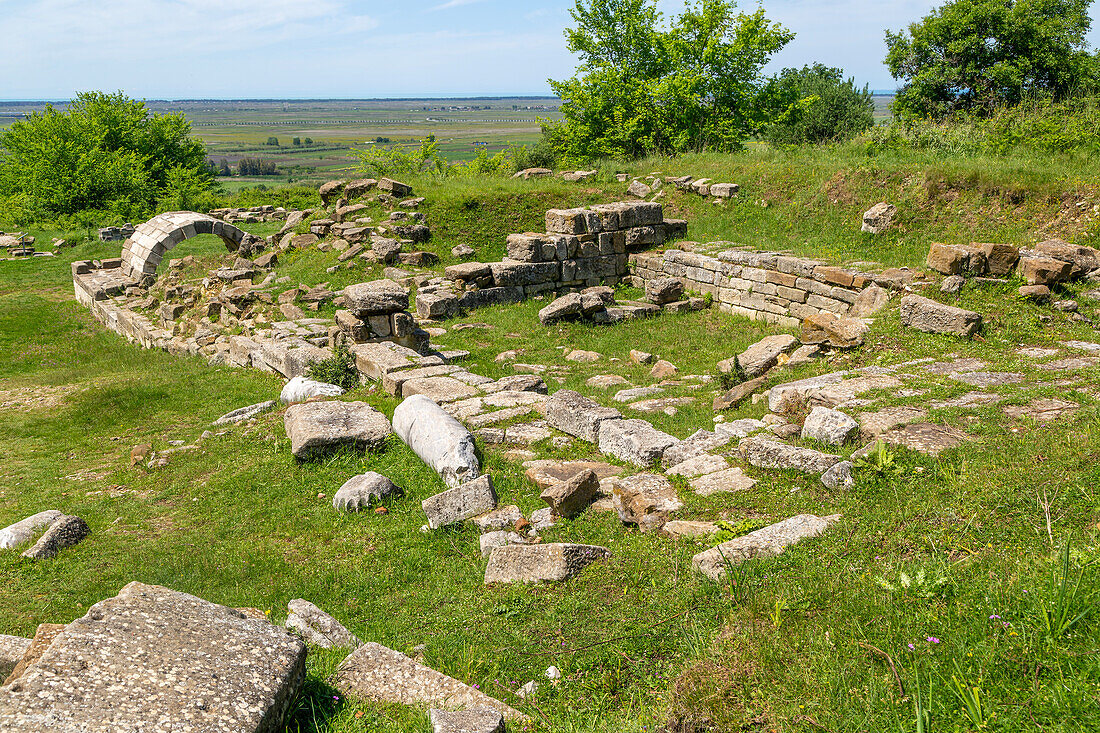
[
  {"x": 821, "y": 107},
  {"x": 377, "y": 161},
  {"x": 339, "y": 369},
  {"x": 539, "y": 155}
]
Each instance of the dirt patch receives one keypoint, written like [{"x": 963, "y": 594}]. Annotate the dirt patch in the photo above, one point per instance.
[
  {"x": 27, "y": 399},
  {"x": 838, "y": 190}
]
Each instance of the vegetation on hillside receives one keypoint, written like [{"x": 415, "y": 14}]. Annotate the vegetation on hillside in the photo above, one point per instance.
[{"x": 820, "y": 106}]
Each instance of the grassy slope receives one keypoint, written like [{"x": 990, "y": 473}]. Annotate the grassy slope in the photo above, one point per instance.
[{"x": 638, "y": 638}]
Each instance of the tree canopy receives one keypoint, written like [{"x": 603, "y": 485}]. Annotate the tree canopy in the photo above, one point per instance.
[
  {"x": 105, "y": 152},
  {"x": 976, "y": 55},
  {"x": 820, "y": 106},
  {"x": 644, "y": 86}
]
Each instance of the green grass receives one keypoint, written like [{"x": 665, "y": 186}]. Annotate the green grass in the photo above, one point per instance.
[{"x": 798, "y": 643}]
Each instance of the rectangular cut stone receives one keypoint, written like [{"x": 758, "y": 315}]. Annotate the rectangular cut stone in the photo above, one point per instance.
[
  {"x": 929, "y": 316},
  {"x": 151, "y": 658},
  {"x": 765, "y": 453},
  {"x": 12, "y": 649},
  {"x": 575, "y": 414},
  {"x": 373, "y": 672},
  {"x": 439, "y": 389},
  {"x": 766, "y": 542},
  {"x": 376, "y": 360},
  {"x": 393, "y": 381},
  {"x": 460, "y": 503},
  {"x": 633, "y": 441},
  {"x": 553, "y": 562}
]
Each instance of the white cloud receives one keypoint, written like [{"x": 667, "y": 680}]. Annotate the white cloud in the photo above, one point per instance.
[{"x": 454, "y": 4}]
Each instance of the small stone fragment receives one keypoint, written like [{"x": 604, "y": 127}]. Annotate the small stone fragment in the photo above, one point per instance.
[
  {"x": 359, "y": 492},
  {"x": 571, "y": 497},
  {"x": 65, "y": 532},
  {"x": 319, "y": 628},
  {"x": 462, "y": 502}
]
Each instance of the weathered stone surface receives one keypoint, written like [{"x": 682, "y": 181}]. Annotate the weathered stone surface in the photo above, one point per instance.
[
  {"x": 946, "y": 259},
  {"x": 841, "y": 332},
  {"x": 566, "y": 307},
  {"x": 663, "y": 370},
  {"x": 738, "y": 394},
  {"x": 553, "y": 562},
  {"x": 828, "y": 426},
  {"x": 1083, "y": 259},
  {"x": 687, "y": 528},
  {"x": 870, "y": 301},
  {"x": 988, "y": 379},
  {"x": 440, "y": 440},
  {"x": 375, "y": 298},
  {"x": 360, "y": 492},
  {"x": 1000, "y": 259},
  {"x": 873, "y": 424},
  {"x": 766, "y": 453},
  {"x": 607, "y": 381},
  {"x": 642, "y": 357},
  {"x": 472, "y": 720},
  {"x": 503, "y": 518},
  {"x": 662, "y": 290},
  {"x": 547, "y": 473},
  {"x": 876, "y": 220},
  {"x": 760, "y": 357},
  {"x": 929, "y": 316},
  {"x": 1044, "y": 270},
  {"x": 638, "y": 189},
  {"x": 373, "y": 672},
  {"x": 783, "y": 397},
  {"x": 23, "y": 531},
  {"x": 244, "y": 413},
  {"x": 771, "y": 540},
  {"x": 66, "y": 532},
  {"x": 1069, "y": 364},
  {"x": 633, "y": 441},
  {"x": 952, "y": 284},
  {"x": 698, "y": 466},
  {"x": 317, "y": 627},
  {"x": 575, "y": 414},
  {"x": 151, "y": 658},
  {"x": 729, "y": 480},
  {"x": 582, "y": 356},
  {"x": 12, "y": 649},
  {"x": 318, "y": 427},
  {"x": 839, "y": 476},
  {"x": 644, "y": 499},
  {"x": 439, "y": 389},
  {"x": 1043, "y": 410},
  {"x": 572, "y": 496},
  {"x": 925, "y": 438},
  {"x": 44, "y": 635},
  {"x": 301, "y": 389},
  {"x": 395, "y": 188},
  {"x": 460, "y": 503}
]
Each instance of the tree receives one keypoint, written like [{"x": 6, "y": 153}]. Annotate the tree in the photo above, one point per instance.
[
  {"x": 273, "y": 141},
  {"x": 105, "y": 152},
  {"x": 821, "y": 106},
  {"x": 308, "y": 141},
  {"x": 223, "y": 168},
  {"x": 644, "y": 87},
  {"x": 256, "y": 167},
  {"x": 976, "y": 55},
  {"x": 297, "y": 142}
]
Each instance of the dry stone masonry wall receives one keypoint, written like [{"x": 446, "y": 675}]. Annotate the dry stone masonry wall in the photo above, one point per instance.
[{"x": 767, "y": 286}]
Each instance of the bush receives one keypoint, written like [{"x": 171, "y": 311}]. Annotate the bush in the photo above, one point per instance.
[
  {"x": 821, "y": 107},
  {"x": 339, "y": 369},
  {"x": 377, "y": 161},
  {"x": 256, "y": 167},
  {"x": 539, "y": 155},
  {"x": 104, "y": 153}
]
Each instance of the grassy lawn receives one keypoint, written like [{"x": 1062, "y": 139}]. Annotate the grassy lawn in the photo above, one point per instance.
[{"x": 823, "y": 638}]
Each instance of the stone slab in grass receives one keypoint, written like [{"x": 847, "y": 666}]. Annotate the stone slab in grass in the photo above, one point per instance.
[
  {"x": 546, "y": 472},
  {"x": 315, "y": 428},
  {"x": 888, "y": 418},
  {"x": 376, "y": 673},
  {"x": 698, "y": 466},
  {"x": 688, "y": 528},
  {"x": 460, "y": 503},
  {"x": 439, "y": 389},
  {"x": 727, "y": 481},
  {"x": 793, "y": 394},
  {"x": 769, "y": 541},
  {"x": 643, "y": 499},
  {"x": 1043, "y": 410},
  {"x": 553, "y": 562},
  {"x": 988, "y": 379},
  {"x": 575, "y": 414},
  {"x": 634, "y": 441},
  {"x": 698, "y": 444},
  {"x": 765, "y": 453},
  {"x": 828, "y": 426},
  {"x": 244, "y": 413},
  {"x": 926, "y": 438},
  {"x": 1070, "y": 364},
  {"x": 317, "y": 627},
  {"x": 970, "y": 399},
  {"x": 151, "y": 658},
  {"x": 376, "y": 360},
  {"x": 394, "y": 381},
  {"x": 925, "y": 314},
  {"x": 473, "y": 720}
]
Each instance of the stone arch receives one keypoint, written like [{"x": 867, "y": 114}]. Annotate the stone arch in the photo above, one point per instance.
[{"x": 151, "y": 241}]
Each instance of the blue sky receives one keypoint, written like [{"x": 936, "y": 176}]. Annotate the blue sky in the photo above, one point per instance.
[{"x": 362, "y": 48}]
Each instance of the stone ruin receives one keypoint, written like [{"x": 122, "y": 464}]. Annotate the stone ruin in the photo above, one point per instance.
[
  {"x": 581, "y": 248},
  {"x": 116, "y": 234},
  {"x": 251, "y": 214}
]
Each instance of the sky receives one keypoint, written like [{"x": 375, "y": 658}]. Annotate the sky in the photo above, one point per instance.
[{"x": 238, "y": 49}]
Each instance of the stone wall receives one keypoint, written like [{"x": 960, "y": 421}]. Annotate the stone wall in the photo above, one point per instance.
[
  {"x": 581, "y": 248},
  {"x": 768, "y": 286}
]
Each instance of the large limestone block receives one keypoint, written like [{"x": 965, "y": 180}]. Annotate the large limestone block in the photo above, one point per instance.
[
  {"x": 929, "y": 316},
  {"x": 553, "y": 562},
  {"x": 634, "y": 441},
  {"x": 573, "y": 413},
  {"x": 771, "y": 540},
  {"x": 1045, "y": 270},
  {"x": 829, "y": 426},
  {"x": 12, "y": 649},
  {"x": 644, "y": 499},
  {"x": 318, "y": 627},
  {"x": 373, "y": 672},
  {"x": 765, "y": 453},
  {"x": 460, "y": 503},
  {"x": 375, "y": 298},
  {"x": 154, "y": 659},
  {"x": 763, "y": 355},
  {"x": 318, "y": 427},
  {"x": 440, "y": 440}
]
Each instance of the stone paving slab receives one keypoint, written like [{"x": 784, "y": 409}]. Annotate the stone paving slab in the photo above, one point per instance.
[{"x": 154, "y": 659}]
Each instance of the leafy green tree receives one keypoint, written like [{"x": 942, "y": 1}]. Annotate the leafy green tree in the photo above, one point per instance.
[
  {"x": 308, "y": 141},
  {"x": 297, "y": 142},
  {"x": 105, "y": 152},
  {"x": 821, "y": 106},
  {"x": 184, "y": 189},
  {"x": 273, "y": 141},
  {"x": 976, "y": 55},
  {"x": 646, "y": 87}
]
